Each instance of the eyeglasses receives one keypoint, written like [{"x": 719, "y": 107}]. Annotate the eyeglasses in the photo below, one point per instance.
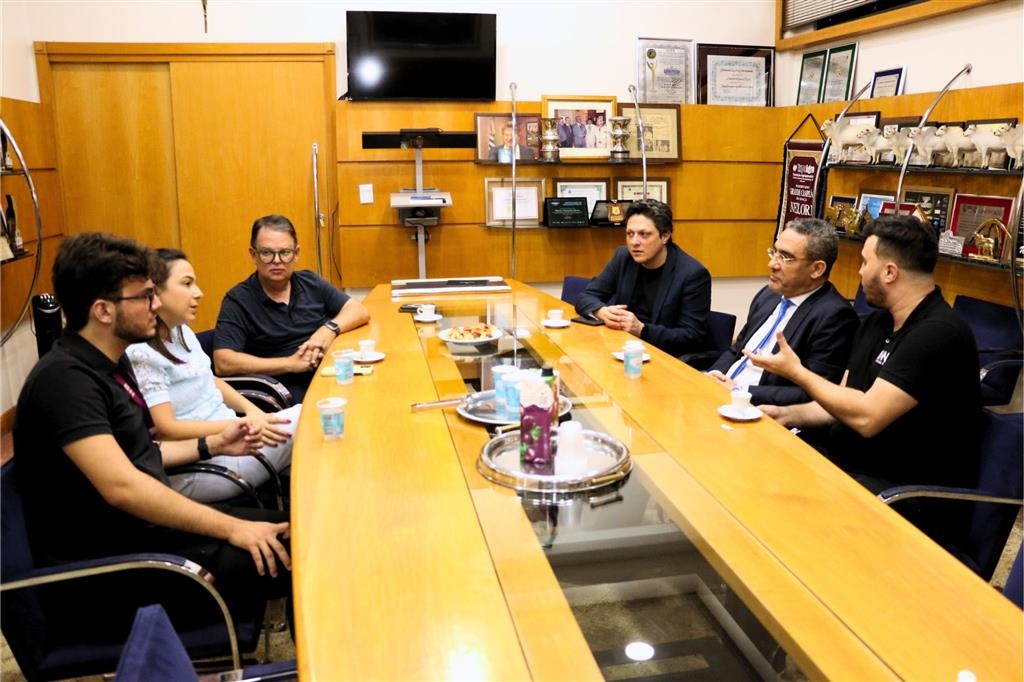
[
  {"x": 267, "y": 256},
  {"x": 782, "y": 256},
  {"x": 147, "y": 294}
]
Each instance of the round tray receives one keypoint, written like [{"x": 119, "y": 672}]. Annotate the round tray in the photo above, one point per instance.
[
  {"x": 608, "y": 462},
  {"x": 479, "y": 407}
]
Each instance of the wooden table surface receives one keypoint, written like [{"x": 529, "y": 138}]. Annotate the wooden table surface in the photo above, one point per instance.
[{"x": 409, "y": 565}]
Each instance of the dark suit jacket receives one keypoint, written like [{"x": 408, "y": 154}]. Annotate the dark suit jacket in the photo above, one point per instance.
[
  {"x": 678, "y": 321},
  {"x": 820, "y": 332}
]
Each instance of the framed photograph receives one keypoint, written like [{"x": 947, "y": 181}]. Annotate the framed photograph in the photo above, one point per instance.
[
  {"x": 582, "y": 124},
  {"x": 935, "y": 202},
  {"x": 592, "y": 189},
  {"x": 888, "y": 82},
  {"x": 495, "y": 139},
  {"x": 735, "y": 74},
  {"x": 633, "y": 189},
  {"x": 812, "y": 70},
  {"x": 662, "y": 131},
  {"x": 871, "y": 200},
  {"x": 984, "y": 134},
  {"x": 529, "y": 201},
  {"x": 840, "y": 66},
  {"x": 971, "y": 210},
  {"x": 664, "y": 70}
]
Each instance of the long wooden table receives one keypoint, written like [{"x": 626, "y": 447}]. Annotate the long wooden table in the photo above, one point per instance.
[{"x": 409, "y": 565}]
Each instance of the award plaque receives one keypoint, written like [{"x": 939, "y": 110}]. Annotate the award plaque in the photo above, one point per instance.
[
  {"x": 609, "y": 213},
  {"x": 566, "y": 212}
]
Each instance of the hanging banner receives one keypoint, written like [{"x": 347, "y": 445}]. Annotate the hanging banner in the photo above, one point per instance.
[{"x": 799, "y": 180}]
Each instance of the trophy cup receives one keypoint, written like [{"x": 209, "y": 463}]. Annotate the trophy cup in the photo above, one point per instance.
[
  {"x": 619, "y": 134},
  {"x": 549, "y": 140}
]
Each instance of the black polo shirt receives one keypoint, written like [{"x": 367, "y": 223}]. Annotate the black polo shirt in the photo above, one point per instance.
[
  {"x": 73, "y": 392},
  {"x": 251, "y": 322}
]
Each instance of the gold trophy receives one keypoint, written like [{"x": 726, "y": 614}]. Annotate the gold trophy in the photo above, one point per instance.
[
  {"x": 620, "y": 133},
  {"x": 991, "y": 239},
  {"x": 549, "y": 140}
]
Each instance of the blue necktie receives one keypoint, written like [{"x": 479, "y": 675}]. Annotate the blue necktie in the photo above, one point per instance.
[{"x": 783, "y": 307}]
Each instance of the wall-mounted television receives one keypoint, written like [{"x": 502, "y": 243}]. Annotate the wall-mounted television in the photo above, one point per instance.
[{"x": 421, "y": 56}]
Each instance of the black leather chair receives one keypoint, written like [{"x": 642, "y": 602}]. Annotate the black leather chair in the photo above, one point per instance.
[
  {"x": 264, "y": 391},
  {"x": 572, "y": 287},
  {"x": 52, "y": 639},
  {"x": 154, "y": 651},
  {"x": 721, "y": 328},
  {"x": 997, "y": 332},
  {"x": 997, "y": 498}
]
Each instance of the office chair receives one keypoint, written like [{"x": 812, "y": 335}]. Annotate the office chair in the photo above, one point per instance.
[
  {"x": 998, "y": 496},
  {"x": 51, "y": 641},
  {"x": 264, "y": 391},
  {"x": 154, "y": 651},
  {"x": 860, "y": 303},
  {"x": 1000, "y": 342},
  {"x": 721, "y": 328},
  {"x": 572, "y": 287}
]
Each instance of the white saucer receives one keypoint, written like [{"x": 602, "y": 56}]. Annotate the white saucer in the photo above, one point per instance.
[
  {"x": 746, "y": 414},
  {"x": 555, "y": 324},
  {"x": 375, "y": 356},
  {"x": 617, "y": 354},
  {"x": 427, "y": 318}
]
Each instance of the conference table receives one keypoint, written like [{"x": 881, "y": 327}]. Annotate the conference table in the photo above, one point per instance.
[{"x": 411, "y": 565}]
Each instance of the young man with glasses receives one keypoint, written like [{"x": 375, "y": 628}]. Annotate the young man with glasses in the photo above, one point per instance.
[
  {"x": 801, "y": 302},
  {"x": 280, "y": 321},
  {"x": 87, "y": 466}
]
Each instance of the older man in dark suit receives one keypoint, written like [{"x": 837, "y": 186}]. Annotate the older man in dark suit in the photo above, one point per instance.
[
  {"x": 651, "y": 287},
  {"x": 817, "y": 321}
]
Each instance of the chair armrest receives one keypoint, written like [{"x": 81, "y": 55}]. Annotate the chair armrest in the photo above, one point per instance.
[
  {"x": 1009, "y": 362},
  {"x": 262, "y": 387},
  {"x": 906, "y": 492},
  {"x": 244, "y": 487},
  {"x": 126, "y": 562},
  {"x": 275, "y": 479}
]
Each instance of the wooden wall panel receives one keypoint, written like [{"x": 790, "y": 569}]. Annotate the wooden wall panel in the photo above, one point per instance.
[
  {"x": 116, "y": 149},
  {"x": 32, "y": 127},
  {"x": 17, "y": 277},
  {"x": 239, "y": 160},
  {"x": 730, "y": 248},
  {"x": 726, "y": 191}
]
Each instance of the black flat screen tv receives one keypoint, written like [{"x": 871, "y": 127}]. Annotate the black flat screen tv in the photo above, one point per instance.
[{"x": 421, "y": 56}]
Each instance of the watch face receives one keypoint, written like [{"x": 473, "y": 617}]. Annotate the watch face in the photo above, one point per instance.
[{"x": 332, "y": 325}]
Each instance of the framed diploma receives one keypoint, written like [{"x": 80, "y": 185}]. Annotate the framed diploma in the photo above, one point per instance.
[
  {"x": 888, "y": 82},
  {"x": 529, "y": 198},
  {"x": 970, "y": 211},
  {"x": 735, "y": 74},
  {"x": 664, "y": 70},
  {"x": 633, "y": 189},
  {"x": 812, "y": 68},
  {"x": 839, "y": 68}
]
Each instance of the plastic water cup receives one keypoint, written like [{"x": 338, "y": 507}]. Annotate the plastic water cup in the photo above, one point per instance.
[
  {"x": 511, "y": 383},
  {"x": 499, "y": 372},
  {"x": 332, "y": 417},
  {"x": 633, "y": 359},
  {"x": 344, "y": 366}
]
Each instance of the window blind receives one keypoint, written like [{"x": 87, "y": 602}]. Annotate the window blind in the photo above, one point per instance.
[{"x": 798, "y": 13}]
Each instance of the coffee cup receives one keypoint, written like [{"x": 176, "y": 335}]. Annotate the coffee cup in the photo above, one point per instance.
[
  {"x": 741, "y": 400},
  {"x": 332, "y": 417},
  {"x": 555, "y": 315},
  {"x": 367, "y": 347},
  {"x": 426, "y": 310}
]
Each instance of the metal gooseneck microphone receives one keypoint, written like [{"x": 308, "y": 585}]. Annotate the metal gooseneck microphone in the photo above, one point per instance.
[
  {"x": 515, "y": 140},
  {"x": 640, "y": 131}
]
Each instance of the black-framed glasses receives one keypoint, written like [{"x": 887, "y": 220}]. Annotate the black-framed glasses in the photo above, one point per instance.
[
  {"x": 784, "y": 257},
  {"x": 148, "y": 294},
  {"x": 267, "y": 256}
]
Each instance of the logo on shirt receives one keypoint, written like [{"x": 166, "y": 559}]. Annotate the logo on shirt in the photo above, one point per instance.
[{"x": 883, "y": 355}]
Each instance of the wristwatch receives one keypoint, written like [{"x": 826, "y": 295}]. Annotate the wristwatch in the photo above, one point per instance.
[{"x": 333, "y": 326}]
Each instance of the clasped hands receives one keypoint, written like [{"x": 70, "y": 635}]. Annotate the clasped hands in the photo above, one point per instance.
[
  {"x": 308, "y": 355},
  {"x": 619, "y": 317}
]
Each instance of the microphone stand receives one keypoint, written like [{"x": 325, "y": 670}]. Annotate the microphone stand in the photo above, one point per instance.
[
  {"x": 640, "y": 143},
  {"x": 515, "y": 140}
]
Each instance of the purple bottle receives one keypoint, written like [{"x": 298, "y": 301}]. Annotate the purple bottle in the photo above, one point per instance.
[{"x": 536, "y": 400}]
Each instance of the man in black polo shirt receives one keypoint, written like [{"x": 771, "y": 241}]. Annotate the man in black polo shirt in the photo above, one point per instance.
[
  {"x": 91, "y": 476},
  {"x": 281, "y": 321},
  {"x": 908, "y": 408}
]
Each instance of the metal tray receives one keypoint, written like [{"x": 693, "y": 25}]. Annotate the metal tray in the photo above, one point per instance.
[
  {"x": 608, "y": 462},
  {"x": 479, "y": 407}
]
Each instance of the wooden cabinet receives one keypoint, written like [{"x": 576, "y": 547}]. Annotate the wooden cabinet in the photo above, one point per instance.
[{"x": 185, "y": 145}]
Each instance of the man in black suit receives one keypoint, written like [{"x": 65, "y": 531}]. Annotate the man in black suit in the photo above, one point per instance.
[
  {"x": 652, "y": 288},
  {"x": 817, "y": 321}
]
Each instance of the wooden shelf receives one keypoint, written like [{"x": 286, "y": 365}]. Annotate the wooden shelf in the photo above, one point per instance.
[{"x": 890, "y": 168}]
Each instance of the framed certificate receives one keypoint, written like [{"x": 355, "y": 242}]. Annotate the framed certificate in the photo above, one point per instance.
[
  {"x": 664, "y": 70},
  {"x": 971, "y": 210},
  {"x": 735, "y": 74},
  {"x": 888, "y": 82},
  {"x": 529, "y": 199},
  {"x": 662, "y": 131},
  {"x": 591, "y": 189},
  {"x": 812, "y": 69},
  {"x": 839, "y": 69},
  {"x": 633, "y": 189}
]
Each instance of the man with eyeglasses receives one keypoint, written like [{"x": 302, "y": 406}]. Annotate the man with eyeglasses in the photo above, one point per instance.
[
  {"x": 800, "y": 301},
  {"x": 651, "y": 288},
  {"x": 908, "y": 408},
  {"x": 88, "y": 470},
  {"x": 280, "y": 321}
]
